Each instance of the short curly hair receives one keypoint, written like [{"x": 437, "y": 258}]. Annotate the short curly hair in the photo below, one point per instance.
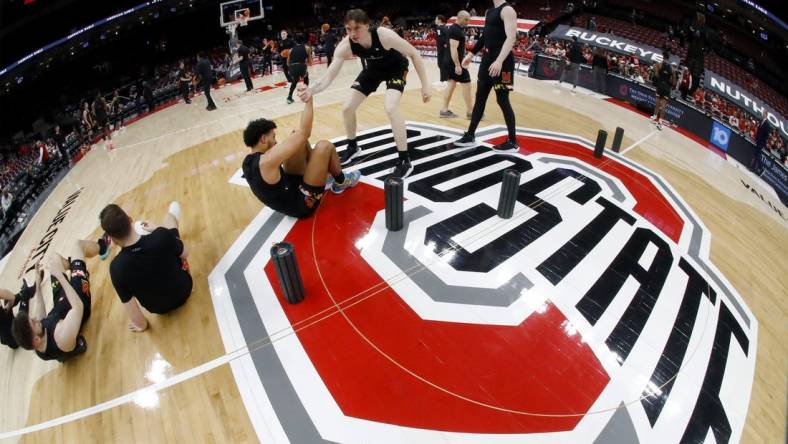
[{"x": 257, "y": 129}]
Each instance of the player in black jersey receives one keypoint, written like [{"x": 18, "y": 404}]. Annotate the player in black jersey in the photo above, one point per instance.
[
  {"x": 297, "y": 61},
  {"x": 664, "y": 80},
  {"x": 383, "y": 55},
  {"x": 290, "y": 176},
  {"x": 496, "y": 71},
  {"x": 442, "y": 41},
  {"x": 55, "y": 335},
  {"x": 453, "y": 65}
]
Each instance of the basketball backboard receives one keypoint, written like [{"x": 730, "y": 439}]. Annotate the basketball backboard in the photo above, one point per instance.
[{"x": 230, "y": 12}]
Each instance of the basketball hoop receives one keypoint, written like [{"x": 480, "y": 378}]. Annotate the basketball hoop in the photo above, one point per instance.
[{"x": 241, "y": 19}]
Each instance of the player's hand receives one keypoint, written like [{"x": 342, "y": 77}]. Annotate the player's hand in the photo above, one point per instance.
[
  {"x": 55, "y": 265},
  {"x": 458, "y": 70},
  {"x": 426, "y": 93},
  {"x": 495, "y": 68},
  {"x": 148, "y": 226},
  {"x": 466, "y": 61},
  {"x": 305, "y": 94},
  {"x": 302, "y": 91},
  {"x": 134, "y": 329}
]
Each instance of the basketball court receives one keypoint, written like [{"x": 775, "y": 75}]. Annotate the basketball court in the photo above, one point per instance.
[{"x": 637, "y": 297}]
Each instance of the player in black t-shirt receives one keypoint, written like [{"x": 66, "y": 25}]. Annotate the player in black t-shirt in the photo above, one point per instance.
[
  {"x": 55, "y": 335},
  {"x": 184, "y": 79},
  {"x": 267, "y": 50},
  {"x": 441, "y": 42},
  {"x": 101, "y": 111},
  {"x": 204, "y": 72},
  {"x": 286, "y": 44},
  {"x": 384, "y": 55},
  {"x": 664, "y": 79},
  {"x": 298, "y": 60},
  {"x": 496, "y": 71},
  {"x": 242, "y": 56},
  {"x": 453, "y": 65},
  {"x": 151, "y": 269},
  {"x": 329, "y": 43},
  {"x": 290, "y": 176}
]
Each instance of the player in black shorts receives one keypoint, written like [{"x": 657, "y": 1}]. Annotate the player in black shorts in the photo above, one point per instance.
[
  {"x": 664, "y": 81},
  {"x": 441, "y": 42},
  {"x": 151, "y": 269},
  {"x": 383, "y": 55},
  {"x": 290, "y": 176},
  {"x": 496, "y": 71},
  {"x": 55, "y": 335},
  {"x": 297, "y": 61},
  {"x": 453, "y": 65},
  {"x": 101, "y": 111},
  {"x": 242, "y": 57}
]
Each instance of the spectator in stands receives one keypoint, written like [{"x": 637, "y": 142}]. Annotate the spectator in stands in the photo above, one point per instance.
[
  {"x": 599, "y": 63},
  {"x": 7, "y": 200},
  {"x": 43, "y": 153},
  {"x": 761, "y": 138},
  {"x": 60, "y": 143},
  {"x": 698, "y": 46},
  {"x": 592, "y": 24},
  {"x": 147, "y": 92},
  {"x": 685, "y": 81},
  {"x": 733, "y": 120}
]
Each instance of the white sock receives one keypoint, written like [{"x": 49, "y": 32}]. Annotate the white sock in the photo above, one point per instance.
[{"x": 175, "y": 210}]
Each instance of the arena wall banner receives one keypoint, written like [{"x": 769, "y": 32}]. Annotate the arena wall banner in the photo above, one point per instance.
[
  {"x": 646, "y": 53},
  {"x": 688, "y": 117},
  {"x": 775, "y": 175},
  {"x": 738, "y": 95}
]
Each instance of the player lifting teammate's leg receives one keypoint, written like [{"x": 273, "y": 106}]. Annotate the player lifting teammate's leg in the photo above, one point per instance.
[
  {"x": 384, "y": 55},
  {"x": 496, "y": 71}
]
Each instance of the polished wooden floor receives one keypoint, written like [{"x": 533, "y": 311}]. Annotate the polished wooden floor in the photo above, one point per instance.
[{"x": 187, "y": 154}]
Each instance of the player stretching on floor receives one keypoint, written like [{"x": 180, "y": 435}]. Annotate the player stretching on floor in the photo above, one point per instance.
[{"x": 290, "y": 176}]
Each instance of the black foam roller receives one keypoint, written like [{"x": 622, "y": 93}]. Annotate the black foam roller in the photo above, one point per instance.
[
  {"x": 617, "y": 138},
  {"x": 286, "y": 266},
  {"x": 509, "y": 188},
  {"x": 394, "y": 189},
  {"x": 601, "y": 139}
]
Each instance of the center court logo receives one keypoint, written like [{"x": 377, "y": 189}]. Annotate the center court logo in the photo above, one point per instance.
[{"x": 594, "y": 312}]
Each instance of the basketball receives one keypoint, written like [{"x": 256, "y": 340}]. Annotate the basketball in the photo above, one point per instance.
[
  {"x": 221, "y": 81},
  {"x": 285, "y": 53},
  {"x": 325, "y": 27}
]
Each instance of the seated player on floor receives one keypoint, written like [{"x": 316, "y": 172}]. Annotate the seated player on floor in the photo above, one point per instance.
[
  {"x": 290, "y": 176},
  {"x": 151, "y": 269},
  {"x": 55, "y": 335}
]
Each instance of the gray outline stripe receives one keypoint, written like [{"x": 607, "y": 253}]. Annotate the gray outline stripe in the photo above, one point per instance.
[
  {"x": 287, "y": 406},
  {"x": 439, "y": 291}
]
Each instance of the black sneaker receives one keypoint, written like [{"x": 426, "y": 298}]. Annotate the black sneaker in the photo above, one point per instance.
[
  {"x": 350, "y": 153},
  {"x": 467, "y": 140},
  {"x": 507, "y": 147},
  {"x": 210, "y": 108},
  {"x": 25, "y": 293},
  {"x": 402, "y": 170},
  {"x": 290, "y": 100}
]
